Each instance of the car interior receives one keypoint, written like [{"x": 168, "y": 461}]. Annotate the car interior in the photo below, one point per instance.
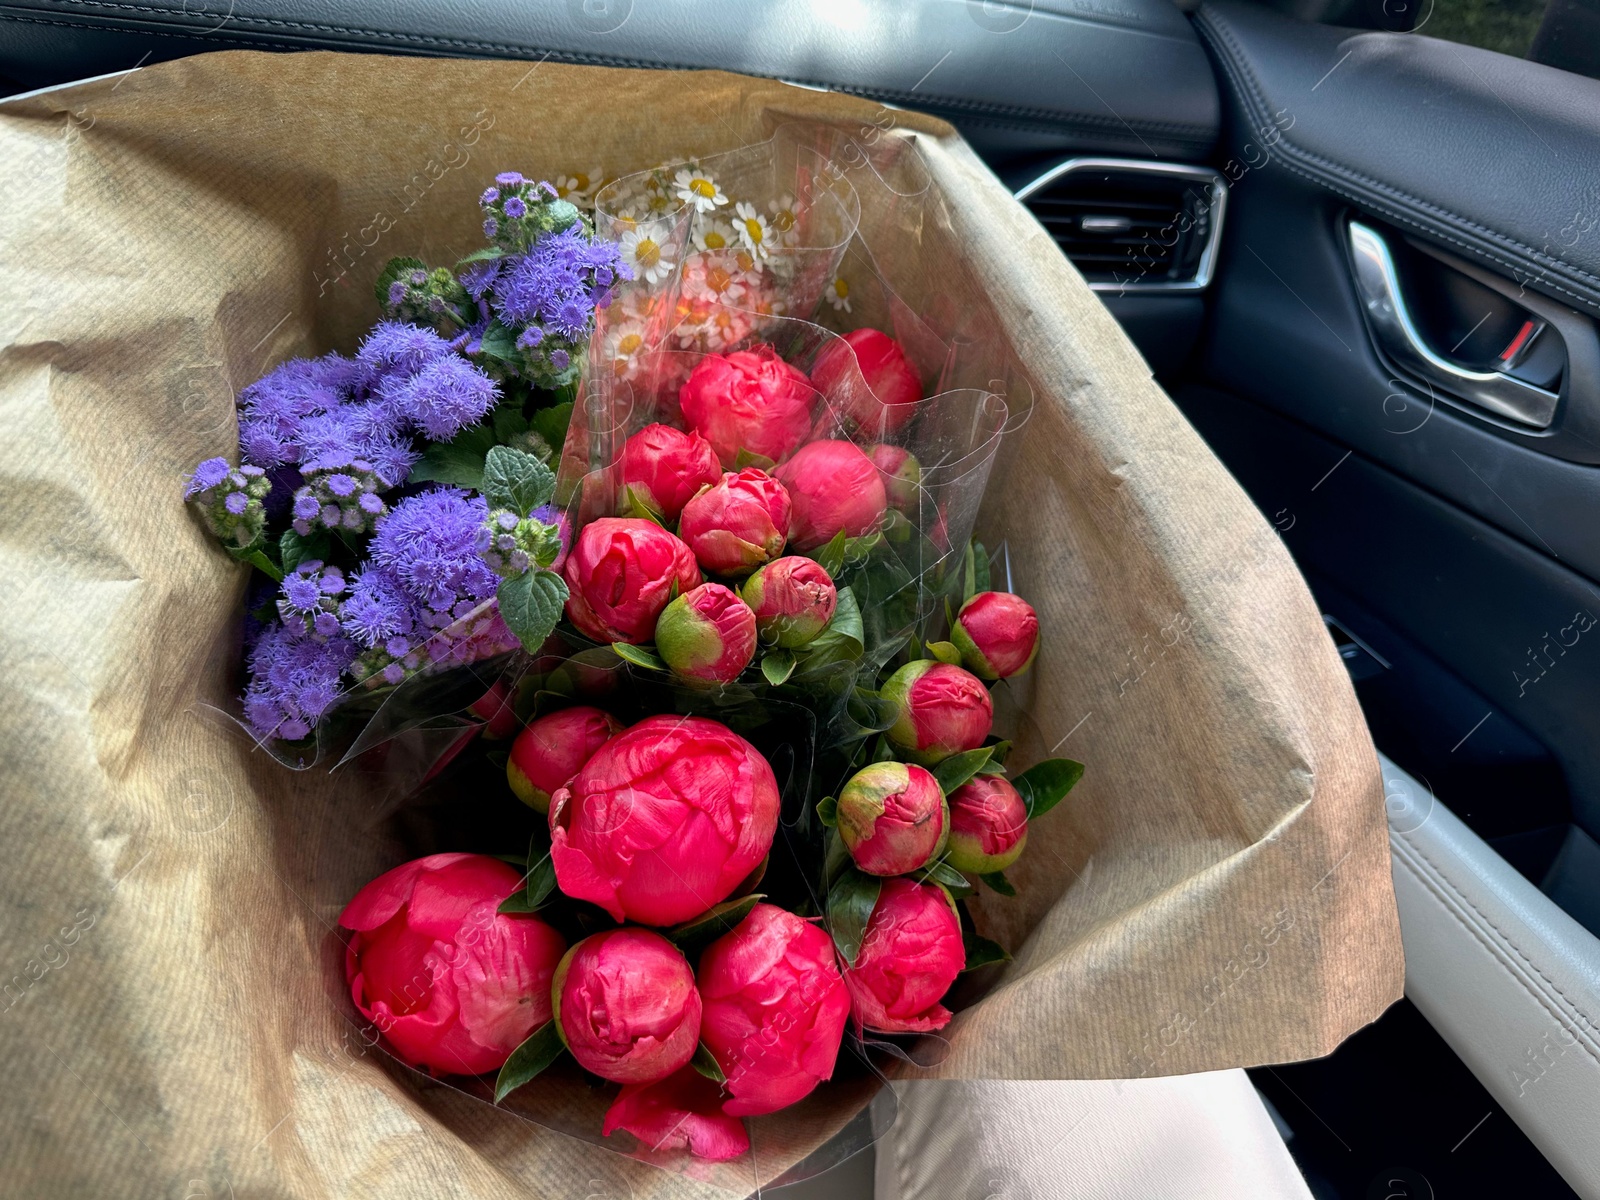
[{"x": 1358, "y": 243}]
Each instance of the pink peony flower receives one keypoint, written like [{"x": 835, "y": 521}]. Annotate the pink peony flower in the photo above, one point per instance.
[
  {"x": 548, "y": 753},
  {"x": 988, "y": 825},
  {"x": 665, "y": 466},
  {"x": 943, "y": 710},
  {"x": 453, "y": 984},
  {"x": 494, "y": 709},
  {"x": 621, "y": 574},
  {"x": 681, "y": 1112},
  {"x": 793, "y": 600},
  {"x": 893, "y": 388},
  {"x": 833, "y": 486},
  {"x": 749, "y": 400},
  {"x": 997, "y": 634},
  {"x": 664, "y": 821},
  {"x": 910, "y": 955},
  {"x": 902, "y": 475},
  {"x": 893, "y": 818},
  {"x": 708, "y": 634},
  {"x": 737, "y": 523},
  {"x": 626, "y": 1006},
  {"x": 775, "y": 1008}
]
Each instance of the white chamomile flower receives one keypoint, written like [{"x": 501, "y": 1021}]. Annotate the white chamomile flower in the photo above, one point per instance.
[
  {"x": 785, "y": 218},
  {"x": 578, "y": 187},
  {"x": 645, "y": 255},
  {"x": 838, "y": 294},
  {"x": 716, "y": 235},
  {"x": 753, "y": 229},
  {"x": 626, "y": 358},
  {"x": 699, "y": 189}
]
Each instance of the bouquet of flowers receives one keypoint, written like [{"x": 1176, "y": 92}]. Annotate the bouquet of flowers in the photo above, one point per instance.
[{"x": 744, "y": 664}]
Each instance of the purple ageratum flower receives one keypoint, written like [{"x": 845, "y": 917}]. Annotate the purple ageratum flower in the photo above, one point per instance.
[
  {"x": 428, "y": 544},
  {"x": 489, "y": 197},
  {"x": 294, "y": 681},
  {"x": 341, "y": 485},
  {"x": 551, "y": 514},
  {"x": 515, "y": 208},
  {"x": 397, "y": 293},
  {"x": 302, "y": 593},
  {"x": 377, "y": 609},
  {"x": 509, "y": 178},
  {"x": 399, "y": 348},
  {"x": 236, "y": 502},
  {"x": 206, "y": 476},
  {"x": 491, "y": 227},
  {"x": 371, "y": 503},
  {"x": 481, "y": 276},
  {"x": 445, "y": 397},
  {"x": 274, "y": 407},
  {"x": 560, "y": 359},
  {"x": 530, "y": 338}
]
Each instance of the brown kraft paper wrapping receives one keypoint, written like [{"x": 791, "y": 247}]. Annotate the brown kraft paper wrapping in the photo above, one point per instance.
[{"x": 1214, "y": 894}]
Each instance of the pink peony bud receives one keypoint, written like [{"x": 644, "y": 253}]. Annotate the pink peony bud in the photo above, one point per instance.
[
  {"x": 910, "y": 955},
  {"x": 943, "y": 710},
  {"x": 737, "y": 523},
  {"x": 707, "y": 634},
  {"x": 988, "y": 825},
  {"x": 664, "y": 821},
  {"x": 997, "y": 634},
  {"x": 793, "y": 600},
  {"x": 620, "y": 576},
  {"x": 681, "y": 1112},
  {"x": 833, "y": 486},
  {"x": 749, "y": 400},
  {"x": 494, "y": 708},
  {"x": 626, "y": 1006},
  {"x": 902, "y": 475},
  {"x": 775, "y": 1009},
  {"x": 893, "y": 388},
  {"x": 550, "y": 751},
  {"x": 454, "y": 985},
  {"x": 893, "y": 818},
  {"x": 665, "y": 466}
]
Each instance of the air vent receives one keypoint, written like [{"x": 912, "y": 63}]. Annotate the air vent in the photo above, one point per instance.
[{"x": 1130, "y": 225}]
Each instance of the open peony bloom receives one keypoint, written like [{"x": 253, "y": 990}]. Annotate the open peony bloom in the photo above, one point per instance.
[
  {"x": 681, "y": 1112},
  {"x": 997, "y": 634},
  {"x": 833, "y": 486},
  {"x": 988, "y": 825},
  {"x": 893, "y": 818},
  {"x": 749, "y": 400},
  {"x": 943, "y": 710},
  {"x": 453, "y": 984},
  {"x": 737, "y": 523},
  {"x": 548, "y": 753},
  {"x": 893, "y": 387},
  {"x": 902, "y": 475},
  {"x": 621, "y": 574},
  {"x": 775, "y": 1009},
  {"x": 626, "y": 1006},
  {"x": 708, "y": 634},
  {"x": 910, "y": 955},
  {"x": 793, "y": 600},
  {"x": 664, "y": 821},
  {"x": 666, "y": 466}
]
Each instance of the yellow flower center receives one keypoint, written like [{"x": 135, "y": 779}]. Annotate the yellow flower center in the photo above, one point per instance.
[
  {"x": 719, "y": 279},
  {"x": 580, "y": 183},
  {"x": 628, "y": 343},
  {"x": 745, "y": 260},
  {"x": 703, "y": 187},
  {"x": 783, "y": 220},
  {"x": 841, "y": 289},
  {"x": 715, "y": 241},
  {"x": 753, "y": 230},
  {"x": 647, "y": 253}
]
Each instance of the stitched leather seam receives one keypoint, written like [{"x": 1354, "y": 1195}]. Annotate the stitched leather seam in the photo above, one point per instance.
[
  {"x": 165, "y": 16},
  {"x": 1236, "y": 64},
  {"x": 1577, "y": 1010},
  {"x": 182, "y": 37}
]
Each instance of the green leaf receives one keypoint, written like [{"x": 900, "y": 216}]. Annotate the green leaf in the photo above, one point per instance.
[
  {"x": 294, "y": 549},
  {"x": 835, "y": 856},
  {"x": 1044, "y": 784},
  {"x": 777, "y": 665},
  {"x": 458, "y": 462},
  {"x": 844, "y": 636},
  {"x": 998, "y": 881},
  {"x": 858, "y": 548},
  {"x": 706, "y": 1063},
  {"x": 980, "y": 568},
  {"x": 258, "y": 559},
  {"x": 507, "y": 422},
  {"x": 851, "y": 900},
  {"x": 981, "y": 951},
  {"x": 516, "y": 860},
  {"x": 639, "y": 656},
  {"x": 392, "y": 270},
  {"x": 541, "y": 883},
  {"x": 531, "y": 604},
  {"x": 516, "y": 904},
  {"x": 635, "y": 504},
  {"x": 945, "y": 652},
  {"x": 516, "y": 480},
  {"x": 942, "y": 872},
  {"x": 541, "y": 1049},
  {"x": 749, "y": 458},
  {"x": 958, "y": 768},
  {"x": 693, "y": 936},
  {"x": 969, "y": 574},
  {"x": 551, "y": 424},
  {"x": 828, "y": 811},
  {"x": 487, "y": 254},
  {"x": 831, "y": 556},
  {"x": 498, "y": 342}
]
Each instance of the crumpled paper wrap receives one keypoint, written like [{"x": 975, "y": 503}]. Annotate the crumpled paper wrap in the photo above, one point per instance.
[{"x": 1215, "y": 893}]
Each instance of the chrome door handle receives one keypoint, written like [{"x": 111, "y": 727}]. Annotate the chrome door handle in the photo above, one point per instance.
[{"x": 1396, "y": 333}]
